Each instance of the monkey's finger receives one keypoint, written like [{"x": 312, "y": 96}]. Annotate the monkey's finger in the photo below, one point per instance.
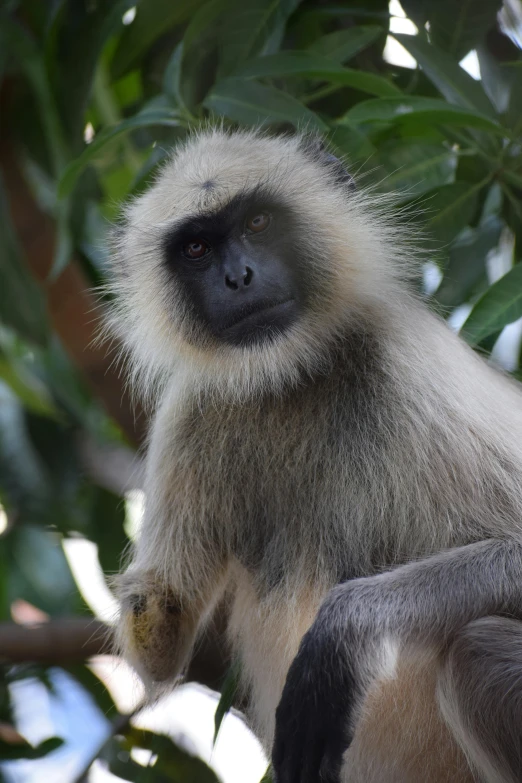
[
  {"x": 288, "y": 755},
  {"x": 312, "y": 758},
  {"x": 332, "y": 761}
]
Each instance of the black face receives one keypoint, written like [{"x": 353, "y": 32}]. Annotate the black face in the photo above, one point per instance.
[{"x": 240, "y": 268}]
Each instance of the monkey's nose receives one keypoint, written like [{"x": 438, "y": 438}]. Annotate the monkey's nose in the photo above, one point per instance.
[{"x": 240, "y": 279}]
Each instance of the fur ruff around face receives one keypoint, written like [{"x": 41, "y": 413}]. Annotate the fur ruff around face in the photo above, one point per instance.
[{"x": 352, "y": 251}]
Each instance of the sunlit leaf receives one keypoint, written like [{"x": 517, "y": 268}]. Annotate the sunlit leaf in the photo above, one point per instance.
[
  {"x": 415, "y": 108},
  {"x": 459, "y": 27},
  {"x": 455, "y": 84},
  {"x": 229, "y": 692},
  {"x": 345, "y": 44},
  {"x": 173, "y": 761},
  {"x": 498, "y": 307},
  {"x": 496, "y": 80},
  {"x": 466, "y": 264}
]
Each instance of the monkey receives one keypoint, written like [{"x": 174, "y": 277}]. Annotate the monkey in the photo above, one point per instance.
[{"x": 329, "y": 457}]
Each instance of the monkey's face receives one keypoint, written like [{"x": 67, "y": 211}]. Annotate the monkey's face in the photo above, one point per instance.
[
  {"x": 244, "y": 262},
  {"x": 238, "y": 266}
]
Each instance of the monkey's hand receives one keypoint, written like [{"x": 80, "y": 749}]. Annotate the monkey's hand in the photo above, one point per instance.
[
  {"x": 156, "y": 630},
  {"x": 337, "y": 660}
]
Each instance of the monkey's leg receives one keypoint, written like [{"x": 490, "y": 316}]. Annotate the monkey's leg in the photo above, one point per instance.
[
  {"x": 362, "y": 629},
  {"x": 401, "y": 736},
  {"x": 480, "y": 693}
]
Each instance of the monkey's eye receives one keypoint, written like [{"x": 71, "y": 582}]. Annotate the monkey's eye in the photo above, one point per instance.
[
  {"x": 255, "y": 224},
  {"x": 196, "y": 249}
]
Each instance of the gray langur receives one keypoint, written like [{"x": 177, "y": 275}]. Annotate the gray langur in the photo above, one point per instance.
[{"x": 329, "y": 455}]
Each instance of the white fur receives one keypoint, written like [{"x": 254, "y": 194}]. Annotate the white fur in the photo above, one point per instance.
[{"x": 228, "y": 444}]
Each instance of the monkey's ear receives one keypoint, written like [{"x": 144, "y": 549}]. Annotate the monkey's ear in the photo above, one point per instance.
[{"x": 317, "y": 149}]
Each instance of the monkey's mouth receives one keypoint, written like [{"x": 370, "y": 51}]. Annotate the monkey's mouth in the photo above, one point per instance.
[{"x": 255, "y": 321}]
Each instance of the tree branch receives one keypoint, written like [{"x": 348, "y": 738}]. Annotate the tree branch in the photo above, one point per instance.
[
  {"x": 75, "y": 639},
  {"x": 59, "y": 641}
]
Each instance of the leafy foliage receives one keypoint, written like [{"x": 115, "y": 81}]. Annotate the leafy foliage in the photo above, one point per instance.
[{"x": 138, "y": 77}]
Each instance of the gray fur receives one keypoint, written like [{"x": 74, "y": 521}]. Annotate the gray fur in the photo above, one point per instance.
[{"x": 368, "y": 437}]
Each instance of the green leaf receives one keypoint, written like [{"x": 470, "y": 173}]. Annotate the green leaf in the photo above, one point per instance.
[
  {"x": 252, "y": 28},
  {"x": 95, "y": 687},
  {"x": 228, "y": 694},
  {"x": 47, "y": 746},
  {"x": 410, "y": 168},
  {"x": 496, "y": 80},
  {"x": 466, "y": 265},
  {"x": 77, "y": 40},
  {"x": 311, "y": 66},
  {"x": 145, "y": 119},
  {"x": 345, "y": 44},
  {"x": 21, "y": 302},
  {"x": 451, "y": 80},
  {"x": 15, "y": 39},
  {"x": 413, "y": 107},
  {"x": 28, "y": 388},
  {"x": 64, "y": 241},
  {"x": 451, "y": 208},
  {"x": 206, "y": 19},
  {"x": 35, "y": 555},
  {"x": 107, "y": 518},
  {"x": 351, "y": 142},
  {"x": 500, "y": 306},
  {"x": 459, "y": 27},
  {"x": 254, "y": 104},
  {"x": 178, "y": 765},
  {"x": 417, "y": 10},
  {"x": 153, "y": 19},
  {"x": 514, "y": 110},
  {"x": 24, "y": 750},
  {"x": 23, "y": 480},
  {"x": 172, "y": 77},
  {"x": 267, "y": 777}
]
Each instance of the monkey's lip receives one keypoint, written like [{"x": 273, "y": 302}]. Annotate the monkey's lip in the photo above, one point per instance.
[{"x": 261, "y": 314}]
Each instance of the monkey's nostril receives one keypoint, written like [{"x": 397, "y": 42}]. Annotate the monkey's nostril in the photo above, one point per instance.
[
  {"x": 231, "y": 283},
  {"x": 241, "y": 280}
]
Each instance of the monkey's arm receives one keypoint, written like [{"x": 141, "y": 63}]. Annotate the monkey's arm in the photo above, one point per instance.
[
  {"x": 359, "y": 630},
  {"x": 178, "y": 569}
]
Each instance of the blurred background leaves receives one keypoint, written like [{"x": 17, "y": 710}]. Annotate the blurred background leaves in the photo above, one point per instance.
[{"x": 94, "y": 94}]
